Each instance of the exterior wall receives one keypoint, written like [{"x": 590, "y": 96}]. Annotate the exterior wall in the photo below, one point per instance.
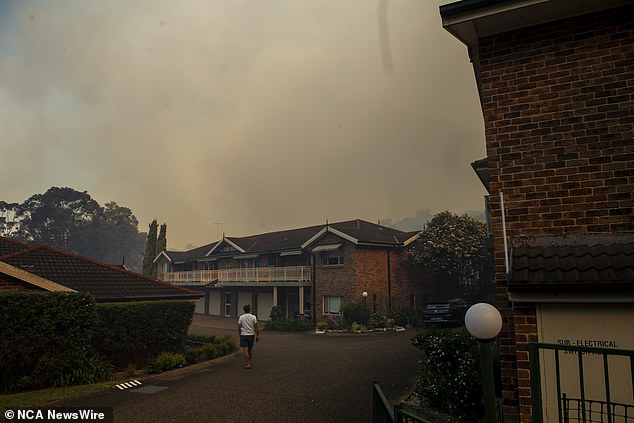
[
  {"x": 334, "y": 280},
  {"x": 9, "y": 285},
  {"x": 372, "y": 277},
  {"x": 557, "y": 101}
]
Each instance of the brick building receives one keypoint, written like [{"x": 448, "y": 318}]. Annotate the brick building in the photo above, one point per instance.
[
  {"x": 556, "y": 85},
  {"x": 307, "y": 271}
]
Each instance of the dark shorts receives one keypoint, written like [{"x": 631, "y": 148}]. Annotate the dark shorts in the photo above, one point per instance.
[{"x": 246, "y": 341}]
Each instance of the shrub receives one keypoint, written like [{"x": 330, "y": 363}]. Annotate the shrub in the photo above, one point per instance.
[
  {"x": 167, "y": 361},
  {"x": 449, "y": 376},
  {"x": 134, "y": 333},
  {"x": 66, "y": 322},
  {"x": 227, "y": 344},
  {"x": 202, "y": 347},
  {"x": 276, "y": 314},
  {"x": 356, "y": 312},
  {"x": 377, "y": 320}
]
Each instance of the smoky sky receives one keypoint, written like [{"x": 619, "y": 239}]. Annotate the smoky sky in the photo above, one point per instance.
[{"x": 260, "y": 115}]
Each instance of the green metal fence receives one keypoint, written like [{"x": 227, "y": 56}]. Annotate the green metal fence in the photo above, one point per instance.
[
  {"x": 383, "y": 412},
  {"x": 582, "y": 409}
]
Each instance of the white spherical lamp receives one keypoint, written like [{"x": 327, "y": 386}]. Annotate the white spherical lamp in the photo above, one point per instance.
[{"x": 483, "y": 321}]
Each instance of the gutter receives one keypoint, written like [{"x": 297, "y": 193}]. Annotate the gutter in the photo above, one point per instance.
[{"x": 191, "y": 297}]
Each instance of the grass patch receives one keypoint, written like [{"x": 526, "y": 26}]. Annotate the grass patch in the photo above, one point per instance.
[{"x": 38, "y": 398}]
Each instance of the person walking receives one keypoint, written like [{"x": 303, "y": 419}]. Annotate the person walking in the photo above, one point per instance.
[{"x": 249, "y": 332}]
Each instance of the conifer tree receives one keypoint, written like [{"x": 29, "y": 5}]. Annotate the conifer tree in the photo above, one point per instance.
[
  {"x": 150, "y": 249},
  {"x": 161, "y": 244}
]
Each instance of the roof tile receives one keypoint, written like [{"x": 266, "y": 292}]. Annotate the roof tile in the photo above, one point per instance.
[{"x": 573, "y": 259}]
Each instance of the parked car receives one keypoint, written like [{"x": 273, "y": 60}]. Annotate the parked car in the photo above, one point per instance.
[{"x": 447, "y": 313}]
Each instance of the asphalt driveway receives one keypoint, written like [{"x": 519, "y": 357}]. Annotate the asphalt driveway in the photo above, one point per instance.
[{"x": 295, "y": 378}]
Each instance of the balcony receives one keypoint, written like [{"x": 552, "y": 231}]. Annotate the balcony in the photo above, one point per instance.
[{"x": 259, "y": 276}]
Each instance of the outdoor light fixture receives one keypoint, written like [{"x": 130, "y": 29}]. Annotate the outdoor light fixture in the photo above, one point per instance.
[
  {"x": 365, "y": 299},
  {"x": 365, "y": 294},
  {"x": 484, "y": 322}
]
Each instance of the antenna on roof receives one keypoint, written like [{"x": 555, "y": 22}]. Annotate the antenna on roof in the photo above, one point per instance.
[{"x": 218, "y": 229}]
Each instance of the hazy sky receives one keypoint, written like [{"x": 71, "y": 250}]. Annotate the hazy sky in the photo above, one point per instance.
[{"x": 260, "y": 114}]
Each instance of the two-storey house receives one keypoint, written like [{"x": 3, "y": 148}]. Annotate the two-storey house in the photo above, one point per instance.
[{"x": 307, "y": 271}]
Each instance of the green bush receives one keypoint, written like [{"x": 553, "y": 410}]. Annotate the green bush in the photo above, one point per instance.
[
  {"x": 276, "y": 314},
  {"x": 449, "y": 375},
  {"x": 135, "y": 333},
  {"x": 377, "y": 320},
  {"x": 227, "y": 344},
  {"x": 45, "y": 341},
  {"x": 167, "y": 361},
  {"x": 356, "y": 312},
  {"x": 202, "y": 348}
]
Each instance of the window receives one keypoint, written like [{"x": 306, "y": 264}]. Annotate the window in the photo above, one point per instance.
[
  {"x": 332, "y": 305},
  {"x": 332, "y": 258}
]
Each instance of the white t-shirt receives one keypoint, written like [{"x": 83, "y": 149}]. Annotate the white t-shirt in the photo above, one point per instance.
[{"x": 247, "y": 324}]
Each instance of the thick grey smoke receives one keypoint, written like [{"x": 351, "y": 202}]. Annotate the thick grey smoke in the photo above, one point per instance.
[{"x": 262, "y": 115}]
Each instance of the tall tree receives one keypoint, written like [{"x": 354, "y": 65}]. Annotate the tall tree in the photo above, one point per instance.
[
  {"x": 150, "y": 249},
  {"x": 456, "y": 251},
  {"x": 72, "y": 221},
  {"x": 61, "y": 218},
  {"x": 120, "y": 236},
  {"x": 161, "y": 243}
]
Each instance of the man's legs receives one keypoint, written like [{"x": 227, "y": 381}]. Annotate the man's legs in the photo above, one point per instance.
[{"x": 247, "y": 350}]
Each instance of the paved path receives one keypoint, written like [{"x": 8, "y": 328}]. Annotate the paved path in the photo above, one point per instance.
[{"x": 295, "y": 378}]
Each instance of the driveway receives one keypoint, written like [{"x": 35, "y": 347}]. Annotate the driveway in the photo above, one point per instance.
[{"x": 295, "y": 377}]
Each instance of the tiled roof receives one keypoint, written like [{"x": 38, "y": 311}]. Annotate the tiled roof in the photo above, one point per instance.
[
  {"x": 104, "y": 282},
  {"x": 276, "y": 241},
  {"x": 293, "y": 239},
  {"x": 580, "y": 260},
  {"x": 10, "y": 246}
]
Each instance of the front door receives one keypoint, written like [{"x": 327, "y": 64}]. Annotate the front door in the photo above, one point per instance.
[
  {"x": 292, "y": 305},
  {"x": 228, "y": 304}
]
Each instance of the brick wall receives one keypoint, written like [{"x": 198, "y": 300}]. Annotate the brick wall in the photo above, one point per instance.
[
  {"x": 363, "y": 269},
  {"x": 9, "y": 284},
  {"x": 558, "y": 106},
  {"x": 336, "y": 281}
]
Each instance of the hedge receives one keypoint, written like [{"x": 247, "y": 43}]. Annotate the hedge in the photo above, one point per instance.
[
  {"x": 135, "y": 333},
  {"x": 58, "y": 339},
  {"x": 45, "y": 340}
]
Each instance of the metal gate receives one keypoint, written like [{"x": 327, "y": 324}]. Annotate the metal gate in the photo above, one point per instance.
[{"x": 589, "y": 384}]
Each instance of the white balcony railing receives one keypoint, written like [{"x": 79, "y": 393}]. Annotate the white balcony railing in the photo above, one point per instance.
[{"x": 259, "y": 276}]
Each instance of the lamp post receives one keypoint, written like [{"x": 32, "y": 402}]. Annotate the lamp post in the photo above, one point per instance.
[
  {"x": 365, "y": 300},
  {"x": 484, "y": 322}
]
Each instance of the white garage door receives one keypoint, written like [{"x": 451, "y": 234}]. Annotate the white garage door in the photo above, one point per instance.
[
  {"x": 265, "y": 304},
  {"x": 200, "y": 306}
]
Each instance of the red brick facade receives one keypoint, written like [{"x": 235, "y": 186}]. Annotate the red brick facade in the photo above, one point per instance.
[
  {"x": 558, "y": 106},
  {"x": 7, "y": 285},
  {"x": 366, "y": 269}
]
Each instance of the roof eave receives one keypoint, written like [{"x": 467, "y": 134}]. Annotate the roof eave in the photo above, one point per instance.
[
  {"x": 188, "y": 297},
  {"x": 620, "y": 286}
]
